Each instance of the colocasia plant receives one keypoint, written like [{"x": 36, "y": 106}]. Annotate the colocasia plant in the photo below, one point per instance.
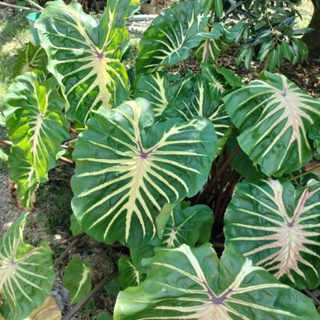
[{"x": 165, "y": 164}]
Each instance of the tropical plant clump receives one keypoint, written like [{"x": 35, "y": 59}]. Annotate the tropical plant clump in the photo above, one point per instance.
[{"x": 168, "y": 165}]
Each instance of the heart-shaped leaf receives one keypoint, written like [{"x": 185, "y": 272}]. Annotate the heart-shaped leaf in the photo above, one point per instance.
[
  {"x": 191, "y": 283},
  {"x": 26, "y": 273},
  {"x": 169, "y": 38},
  {"x": 36, "y": 126},
  {"x": 278, "y": 228},
  {"x": 84, "y": 54},
  {"x": 274, "y": 116},
  {"x": 132, "y": 167}
]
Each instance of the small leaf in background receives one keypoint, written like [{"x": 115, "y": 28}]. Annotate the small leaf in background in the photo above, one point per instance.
[
  {"x": 26, "y": 273},
  {"x": 169, "y": 38},
  {"x": 278, "y": 228},
  {"x": 132, "y": 167},
  {"x": 3, "y": 155},
  {"x": 274, "y": 117},
  {"x": 191, "y": 283},
  {"x": 31, "y": 58},
  {"x": 113, "y": 287},
  {"x": 157, "y": 89},
  {"x": 163, "y": 217},
  {"x": 77, "y": 279},
  {"x": 216, "y": 41},
  {"x": 188, "y": 225},
  {"x": 129, "y": 275},
  {"x": 104, "y": 316}
]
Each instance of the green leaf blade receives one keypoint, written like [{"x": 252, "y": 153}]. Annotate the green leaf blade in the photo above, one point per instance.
[
  {"x": 281, "y": 230},
  {"x": 26, "y": 273},
  {"x": 85, "y": 60},
  {"x": 169, "y": 39},
  {"x": 274, "y": 116},
  {"x": 191, "y": 283},
  {"x": 138, "y": 167},
  {"x": 77, "y": 279},
  {"x": 36, "y": 126}
]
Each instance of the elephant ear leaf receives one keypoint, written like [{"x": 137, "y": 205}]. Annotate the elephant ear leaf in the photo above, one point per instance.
[
  {"x": 36, "y": 126},
  {"x": 169, "y": 38},
  {"x": 191, "y": 283},
  {"x": 277, "y": 227},
  {"x": 274, "y": 116},
  {"x": 84, "y": 54},
  {"x": 132, "y": 167},
  {"x": 188, "y": 225},
  {"x": 26, "y": 273}
]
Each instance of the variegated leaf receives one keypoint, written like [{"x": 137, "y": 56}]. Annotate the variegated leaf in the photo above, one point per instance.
[
  {"x": 188, "y": 225},
  {"x": 191, "y": 283},
  {"x": 278, "y": 228},
  {"x": 156, "y": 88},
  {"x": 131, "y": 167},
  {"x": 36, "y": 126},
  {"x": 274, "y": 116},
  {"x": 217, "y": 41},
  {"x": 26, "y": 273},
  {"x": 31, "y": 58},
  {"x": 84, "y": 54},
  {"x": 194, "y": 97},
  {"x": 129, "y": 275},
  {"x": 169, "y": 38},
  {"x": 77, "y": 279}
]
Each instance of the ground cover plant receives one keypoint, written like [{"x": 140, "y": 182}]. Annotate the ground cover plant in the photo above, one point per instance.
[{"x": 166, "y": 164}]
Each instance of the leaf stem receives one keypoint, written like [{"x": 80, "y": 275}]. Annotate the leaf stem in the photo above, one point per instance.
[
  {"x": 80, "y": 235},
  {"x": 6, "y": 143},
  {"x": 66, "y": 160},
  {"x": 312, "y": 296},
  {"x": 35, "y": 4},
  {"x": 95, "y": 290}
]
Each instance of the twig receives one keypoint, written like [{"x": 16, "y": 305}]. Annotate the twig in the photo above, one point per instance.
[
  {"x": 312, "y": 296},
  {"x": 6, "y": 143},
  {"x": 65, "y": 252},
  {"x": 95, "y": 290},
  {"x": 13, "y": 6},
  {"x": 66, "y": 160},
  {"x": 35, "y": 4},
  {"x": 80, "y": 235}
]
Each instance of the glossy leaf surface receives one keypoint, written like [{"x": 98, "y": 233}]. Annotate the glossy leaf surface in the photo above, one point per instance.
[
  {"x": 274, "y": 116},
  {"x": 84, "y": 54},
  {"x": 26, "y": 273},
  {"x": 278, "y": 228},
  {"x": 191, "y": 283},
  {"x": 36, "y": 126},
  {"x": 132, "y": 167},
  {"x": 169, "y": 38}
]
